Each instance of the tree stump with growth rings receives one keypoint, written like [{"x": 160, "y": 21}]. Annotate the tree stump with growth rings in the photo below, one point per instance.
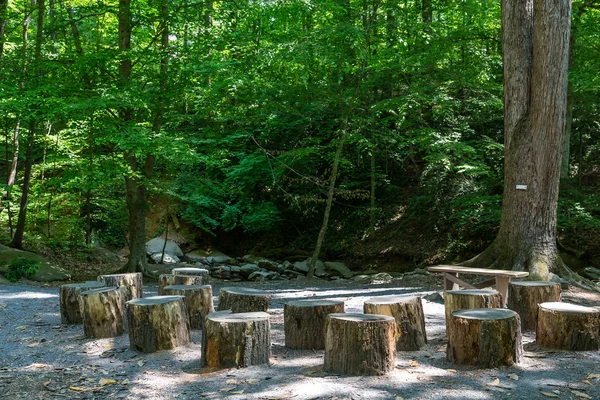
[
  {"x": 360, "y": 344},
  {"x": 304, "y": 322},
  {"x": 485, "y": 337},
  {"x": 157, "y": 323},
  {"x": 198, "y": 300},
  {"x": 190, "y": 271},
  {"x": 243, "y": 300},
  {"x": 568, "y": 326},
  {"x": 102, "y": 312},
  {"x": 180, "y": 279},
  {"x": 524, "y": 298},
  {"x": 410, "y": 320},
  {"x": 70, "y": 300},
  {"x": 468, "y": 299},
  {"x": 132, "y": 281},
  {"x": 236, "y": 340}
]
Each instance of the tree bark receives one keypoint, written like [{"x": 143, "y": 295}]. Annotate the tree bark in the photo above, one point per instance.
[
  {"x": 524, "y": 298},
  {"x": 70, "y": 301},
  {"x": 133, "y": 282},
  {"x": 568, "y": 326},
  {"x": 175, "y": 279},
  {"x": 243, "y": 300},
  {"x": 304, "y": 322},
  {"x": 535, "y": 94},
  {"x": 102, "y": 312},
  {"x": 467, "y": 299},
  {"x": 198, "y": 300},
  {"x": 3, "y": 19}
]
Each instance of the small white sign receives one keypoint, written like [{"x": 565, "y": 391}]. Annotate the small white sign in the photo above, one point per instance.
[{"x": 521, "y": 187}]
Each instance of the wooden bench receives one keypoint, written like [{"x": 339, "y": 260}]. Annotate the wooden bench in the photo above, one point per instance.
[{"x": 501, "y": 278}]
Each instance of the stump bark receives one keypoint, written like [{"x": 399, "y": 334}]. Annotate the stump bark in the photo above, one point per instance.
[
  {"x": 568, "y": 326},
  {"x": 468, "y": 299},
  {"x": 243, "y": 300},
  {"x": 198, "y": 300},
  {"x": 179, "y": 279},
  {"x": 191, "y": 271},
  {"x": 70, "y": 304},
  {"x": 304, "y": 322},
  {"x": 485, "y": 337},
  {"x": 132, "y": 281},
  {"x": 157, "y": 323},
  {"x": 524, "y": 298},
  {"x": 410, "y": 320},
  {"x": 236, "y": 340},
  {"x": 102, "y": 312},
  {"x": 360, "y": 344}
]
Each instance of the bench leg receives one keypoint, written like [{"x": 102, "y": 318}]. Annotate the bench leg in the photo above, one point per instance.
[
  {"x": 448, "y": 284},
  {"x": 502, "y": 288}
]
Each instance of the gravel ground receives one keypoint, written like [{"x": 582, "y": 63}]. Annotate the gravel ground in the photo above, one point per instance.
[{"x": 42, "y": 359}]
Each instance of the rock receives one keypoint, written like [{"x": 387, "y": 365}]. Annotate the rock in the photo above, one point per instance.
[
  {"x": 259, "y": 276},
  {"x": 338, "y": 268},
  {"x": 218, "y": 259},
  {"x": 226, "y": 272},
  {"x": 102, "y": 254},
  {"x": 47, "y": 273},
  {"x": 268, "y": 265},
  {"x": 591, "y": 272},
  {"x": 564, "y": 285},
  {"x": 156, "y": 246},
  {"x": 303, "y": 267},
  {"x": 196, "y": 255},
  {"x": 434, "y": 298},
  {"x": 286, "y": 266},
  {"x": 418, "y": 271},
  {"x": 246, "y": 270},
  {"x": 167, "y": 259},
  {"x": 250, "y": 259},
  {"x": 362, "y": 279},
  {"x": 379, "y": 278}
]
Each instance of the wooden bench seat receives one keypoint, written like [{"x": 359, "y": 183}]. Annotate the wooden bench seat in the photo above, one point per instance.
[{"x": 501, "y": 278}]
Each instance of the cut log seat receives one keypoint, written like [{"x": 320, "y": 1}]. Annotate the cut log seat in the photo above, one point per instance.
[
  {"x": 524, "y": 298},
  {"x": 568, "y": 326},
  {"x": 70, "y": 307},
  {"x": 243, "y": 300},
  {"x": 180, "y": 279},
  {"x": 467, "y": 299},
  {"x": 102, "y": 311},
  {"x": 133, "y": 282},
  {"x": 198, "y": 300},
  {"x": 304, "y": 322}
]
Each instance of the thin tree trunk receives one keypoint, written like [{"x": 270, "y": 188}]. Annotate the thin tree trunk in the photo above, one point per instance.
[
  {"x": 372, "y": 211},
  {"x": 330, "y": 193},
  {"x": 3, "y": 19}
]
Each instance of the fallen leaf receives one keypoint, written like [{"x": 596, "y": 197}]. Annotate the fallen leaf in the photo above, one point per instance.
[
  {"x": 251, "y": 381},
  {"x": 238, "y": 391},
  {"x": 108, "y": 346},
  {"x": 586, "y": 382},
  {"x": 141, "y": 363},
  {"x": 104, "y": 381},
  {"x": 593, "y": 376},
  {"x": 514, "y": 377},
  {"x": 494, "y": 382},
  {"x": 77, "y": 388},
  {"x": 451, "y": 370},
  {"x": 231, "y": 382},
  {"x": 33, "y": 345},
  {"x": 580, "y": 394},
  {"x": 547, "y": 394},
  {"x": 414, "y": 363},
  {"x": 227, "y": 389},
  {"x": 20, "y": 328},
  {"x": 399, "y": 398},
  {"x": 441, "y": 349}
]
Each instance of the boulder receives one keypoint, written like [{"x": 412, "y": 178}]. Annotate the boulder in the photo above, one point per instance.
[
  {"x": 156, "y": 246},
  {"x": 286, "y": 266},
  {"x": 259, "y": 276},
  {"x": 167, "y": 259},
  {"x": 246, "y": 270},
  {"x": 102, "y": 254},
  {"x": 592, "y": 273},
  {"x": 218, "y": 258},
  {"x": 251, "y": 259},
  {"x": 303, "y": 267},
  {"x": 268, "y": 265},
  {"x": 48, "y": 272},
  {"x": 196, "y": 255},
  {"x": 339, "y": 269}
]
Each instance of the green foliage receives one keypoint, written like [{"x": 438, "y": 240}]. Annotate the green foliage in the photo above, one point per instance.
[{"x": 21, "y": 267}]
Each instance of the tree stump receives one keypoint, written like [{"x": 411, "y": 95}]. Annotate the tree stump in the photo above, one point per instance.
[
  {"x": 524, "y": 298},
  {"x": 157, "y": 323},
  {"x": 568, "y": 326},
  {"x": 468, "y": 299},
  {"x": 410, "y": 320},
  {"x": 304, "y": 322},
  {"x": 191, "y": 271},
  {"x": 102, "y": 312},
  {"x": 243, "y": 300},
  {"x": 178, "y": 279},
  {"x": 198, "y": 300},
  {"x": 360, "y": 344},
  {"x": 70, "y": 304},
  {"x": 485, "y": 337},
  {"x": 236, "y": 340},
  {"x": 133, "y": 282}
]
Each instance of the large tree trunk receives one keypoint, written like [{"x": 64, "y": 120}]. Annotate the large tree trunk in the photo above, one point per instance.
[{"x": 535, "y": 93}]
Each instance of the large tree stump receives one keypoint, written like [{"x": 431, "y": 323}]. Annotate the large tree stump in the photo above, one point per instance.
[
  {"x": 568, "y": 326},
  {"x": 485, "y": 337},
  {"x": 157, "y": 323},
  {"x": 468, "y": 299},
  {"x": 524, "y": 298},
  {"x": 132, "y": 281},
  {"x": 243, "y": 300},
  {"x": 70, "y": 300},
  {"x": 179, "y": 279},
  {"x": 410, "y": 320},
  {"x": 360, "y": 344},
  {"x": 198, "y": 300},
  {"x": 236, "y": 340},
  {"x": 102, "y": 311},
  {"x": 191, "y": 271},
  {"x": 304, "y": 322}
]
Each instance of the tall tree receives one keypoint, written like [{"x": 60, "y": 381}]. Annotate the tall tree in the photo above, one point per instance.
[{"x": 535, "y": 54}]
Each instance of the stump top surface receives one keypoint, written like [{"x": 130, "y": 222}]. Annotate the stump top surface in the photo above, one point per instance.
[
  {"x": 191, "y": 288},
  {"x": 154, "y": 300},
  {"x": 189, "y": 270},
  {"x": 474, "y": 292},
  {"x": 314, "y": 303},
  {"x": 245, "y": 291},
  {"x": 226, "y": 316},
  {"x": 86, "y": 284},
  {"x": 568, "y": 308},
  {"x": 485, "y": 314},
  {"x": 401, "y": 298},
  {"x": 534, "y": 283},
  {"x": 99, "y": 290},
  {"x": 361, "y": 317},
  {"x": 121, "y": 275}
]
